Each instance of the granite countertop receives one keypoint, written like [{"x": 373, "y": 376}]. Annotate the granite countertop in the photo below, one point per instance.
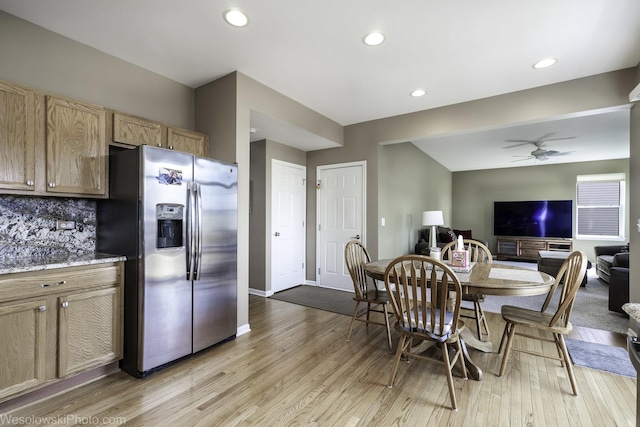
[
  {"x": 632, "y": 309},
  {"x": 22, "y": 264}
]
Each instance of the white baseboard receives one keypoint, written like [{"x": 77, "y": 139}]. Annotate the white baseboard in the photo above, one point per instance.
[
  {"x": 260, "y": 292},
  {"x": 243, "y": 330}
]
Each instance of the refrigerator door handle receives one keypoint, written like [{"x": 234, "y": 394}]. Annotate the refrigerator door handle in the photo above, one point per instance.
[
  {"x": 190, "y": 232},
  {"x": 198, "y": 251}
]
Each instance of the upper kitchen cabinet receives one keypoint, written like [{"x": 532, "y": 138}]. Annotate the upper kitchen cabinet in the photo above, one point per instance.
[
  {"x": 76, "y": 148},
  {"x": 188, "y": 141},
  {"x": 133, "y": 130},
  {"x": 17, "y": 137}
]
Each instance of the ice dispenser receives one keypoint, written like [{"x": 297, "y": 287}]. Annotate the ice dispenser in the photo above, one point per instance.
[{"x": 169, "y": 217}]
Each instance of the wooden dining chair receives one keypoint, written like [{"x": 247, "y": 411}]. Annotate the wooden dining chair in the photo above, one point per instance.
[
  {"x": 422, "y": 291},
  {"x": 551, "y": 326},
  {"x": 478, "y": 252},
  {"x": 366, "y": 291}
]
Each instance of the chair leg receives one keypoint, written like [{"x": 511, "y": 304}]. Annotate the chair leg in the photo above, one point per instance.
[
  {"x": 396, "y": 361},
  {"x": 368, "y": 313},
  {"x": 484, "y": 318},
  {"x": 447, "y": 366},
  {"x": 507, "y": 349},
  {"x": 505, "y": 333},
  {"x": 476, "y": 311},
  {"x": 556, "y": 337},
  {"x": 353, "y": 320},
  {"x": 567, "y": 360},
  {"x": 463, "y": 367},
  {"x": 386, "y": 323}
]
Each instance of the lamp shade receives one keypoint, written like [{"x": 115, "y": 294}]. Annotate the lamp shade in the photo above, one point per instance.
[{"x": 432, "y": 218}]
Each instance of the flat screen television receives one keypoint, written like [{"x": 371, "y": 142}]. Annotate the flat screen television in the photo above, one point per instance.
[{"x": 542, "y": 218}]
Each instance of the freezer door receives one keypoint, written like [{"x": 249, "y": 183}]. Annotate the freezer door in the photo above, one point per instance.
[
  {"x": 165, "y": 294},
  {"x": 215, "y": 291}
]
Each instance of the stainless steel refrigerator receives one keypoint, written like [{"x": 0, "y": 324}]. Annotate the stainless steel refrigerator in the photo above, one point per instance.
[{"x": 174, "y": 216}]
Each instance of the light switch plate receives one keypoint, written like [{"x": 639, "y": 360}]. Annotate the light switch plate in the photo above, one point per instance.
[{"x": 65, "y": 225}]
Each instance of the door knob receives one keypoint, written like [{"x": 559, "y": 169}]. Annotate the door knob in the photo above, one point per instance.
[
  {"x": 277, "y": 233},
  {"x": 357, "y": 236}
]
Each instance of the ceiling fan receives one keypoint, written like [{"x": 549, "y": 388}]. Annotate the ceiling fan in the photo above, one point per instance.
[{"x": 539, "y": 153}]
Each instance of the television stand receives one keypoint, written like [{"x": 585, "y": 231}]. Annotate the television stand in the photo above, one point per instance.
[{"x": 527, "y": 248}]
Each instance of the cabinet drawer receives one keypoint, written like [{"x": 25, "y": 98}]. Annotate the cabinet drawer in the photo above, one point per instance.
[
  {"x": 529, "y": 253},
  {"x": 526, "y": 244},
  {"x": 16, "y": 286}
]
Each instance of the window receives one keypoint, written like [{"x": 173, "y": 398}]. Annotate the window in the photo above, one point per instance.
[{"x": 600, "y": 206}]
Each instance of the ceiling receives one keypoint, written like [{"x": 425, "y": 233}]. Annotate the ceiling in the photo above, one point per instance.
[{"x": 313, "y": 53}]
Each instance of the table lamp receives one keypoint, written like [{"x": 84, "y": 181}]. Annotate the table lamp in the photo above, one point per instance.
[{"x": 432, "y": 218}]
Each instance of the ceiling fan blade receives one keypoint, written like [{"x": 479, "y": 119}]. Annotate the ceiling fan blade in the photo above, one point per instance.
[
  {"x": 521, "y": 141},
  {"x": 542, "y": 158},
  {"x": 558, "y": 153},
  {"x": 544, "y": 137},
  {"x": 525, "y": 158},
  {"x": 560, "y": 139}
]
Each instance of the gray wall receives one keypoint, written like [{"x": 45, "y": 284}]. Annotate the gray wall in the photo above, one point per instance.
[
  {"x": 43, "y": 60},
  {"x": 262, "y": 154},
  {"x": 475, "y": 191},
  {"x": 224, "y": 112},
  {"x": 409, "y": 182},
  {"x": 634, "y": 292},
  {"x": 603, "y": 91}
]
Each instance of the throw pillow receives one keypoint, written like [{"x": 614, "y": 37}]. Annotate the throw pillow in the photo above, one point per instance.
[
  {"x": 452, "y": 236},
  {"x": 466, "y": 234}
]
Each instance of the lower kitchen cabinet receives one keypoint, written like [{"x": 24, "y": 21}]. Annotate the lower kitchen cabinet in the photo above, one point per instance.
[
  {"x": 22, "y": 334},
  {"x": 88, "y": 330},
  {"x": 58, "y": 323}
]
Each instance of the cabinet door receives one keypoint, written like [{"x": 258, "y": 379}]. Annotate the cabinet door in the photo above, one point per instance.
[
  {"x": 188, "y": 142},
  {"x": 22, "y": 334},
  {"x": 17, "y": 143},
  {"x": 76, "y": 147},
  {"x": 89, "y": 331},
  {"x": 136, "y": 131}
]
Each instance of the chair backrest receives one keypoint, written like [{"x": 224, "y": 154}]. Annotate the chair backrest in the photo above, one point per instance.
[
  {"x": 419, "y": 287},
  {"x": 356, "y": 257},
  {"x": 478, "y": 251},
  {"x": 571, "y": 274}
]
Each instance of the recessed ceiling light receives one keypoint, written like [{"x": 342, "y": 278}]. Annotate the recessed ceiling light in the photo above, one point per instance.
[
  {"x": 373, "y": 39},
  {"x": 235, "y": 17},
  {"x": 418, "y": 92},
  {"x": 544, "y": 63}
]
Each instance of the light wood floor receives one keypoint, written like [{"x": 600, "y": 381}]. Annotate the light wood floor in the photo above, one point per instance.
[{"x": 295, "y": 368}]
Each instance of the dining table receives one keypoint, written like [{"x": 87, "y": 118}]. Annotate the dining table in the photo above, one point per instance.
[{"x": 493, "y": 278}]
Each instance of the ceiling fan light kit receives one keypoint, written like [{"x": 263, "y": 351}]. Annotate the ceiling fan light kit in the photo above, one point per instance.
[{"x": 539, "y": 153}]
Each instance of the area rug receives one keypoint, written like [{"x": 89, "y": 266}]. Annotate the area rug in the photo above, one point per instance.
[
  {"x": 591, "y": 308},
  {"x": 601, "y": 357},
  {"x": 340, "y": 302}
]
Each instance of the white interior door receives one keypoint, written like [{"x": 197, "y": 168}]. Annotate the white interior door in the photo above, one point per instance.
[
  {"x": 288, "y": 210},
  {"x": 341, "y": 217}
]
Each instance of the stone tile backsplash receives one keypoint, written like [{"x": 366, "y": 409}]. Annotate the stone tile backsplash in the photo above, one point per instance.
[{"x": 28, "y": 226}]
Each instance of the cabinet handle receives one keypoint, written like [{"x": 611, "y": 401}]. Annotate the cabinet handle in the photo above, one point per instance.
[
  {"x": 46, "y": 285},
  {"x": 42, "y": 308},
  {"x": 65, "y": 304},
  {"x": 30, "y": 183},
  {"x": 52, "y": 185}
]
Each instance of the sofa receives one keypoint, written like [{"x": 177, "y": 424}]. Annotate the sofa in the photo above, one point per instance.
[
  {"x": 444, "y": 235},
  {"x": 604, "y": 259},
  {"x": 612, "y": 266},
  {"x": 550, "y": 262}
]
